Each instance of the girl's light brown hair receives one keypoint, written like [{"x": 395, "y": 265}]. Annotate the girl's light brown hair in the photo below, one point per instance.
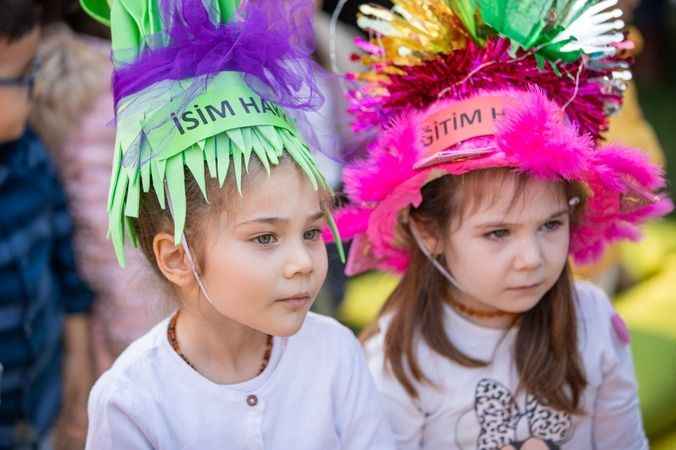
[
  {"x": 546, "y": 352},
  {"x": 153, "y": 219}
]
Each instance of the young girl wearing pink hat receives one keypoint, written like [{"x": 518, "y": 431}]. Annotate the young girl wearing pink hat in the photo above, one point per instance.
[{"x": 486, "y": 174}]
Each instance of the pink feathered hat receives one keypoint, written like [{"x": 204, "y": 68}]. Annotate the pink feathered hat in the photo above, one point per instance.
[
  {"x": 452, "y": 86},
  {"x": 509, "y": 128}
]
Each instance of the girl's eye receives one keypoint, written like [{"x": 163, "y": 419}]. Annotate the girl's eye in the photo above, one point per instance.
[
  {"x": 312, "y": 235},
  {"x": 553, "y": 225},
  {"x": 497, "y": 234},
  {"x": 265, "y": 239}
]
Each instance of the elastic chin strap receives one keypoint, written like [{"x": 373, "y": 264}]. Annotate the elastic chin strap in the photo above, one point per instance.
[
  {"x": 423, "y": 248},
  {"x": 186, "y": 249}
]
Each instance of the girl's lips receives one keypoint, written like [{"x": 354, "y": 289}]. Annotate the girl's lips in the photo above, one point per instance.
[
  {"x": 525, "y": 287},
  {"x": 297, "y": 301}
]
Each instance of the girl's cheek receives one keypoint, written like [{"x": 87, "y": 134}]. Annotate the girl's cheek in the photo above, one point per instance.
[
  {"x": 559, "y": 245},
  {"x": 320, "y": 258}
]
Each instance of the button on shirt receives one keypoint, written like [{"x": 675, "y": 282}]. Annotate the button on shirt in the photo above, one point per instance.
[
  {"x": 38, "y": 285},
  {"x": 315, "y": 394}
]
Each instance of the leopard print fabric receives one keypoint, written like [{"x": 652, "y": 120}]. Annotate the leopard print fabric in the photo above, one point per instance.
[{"x": 499, "y": 414}]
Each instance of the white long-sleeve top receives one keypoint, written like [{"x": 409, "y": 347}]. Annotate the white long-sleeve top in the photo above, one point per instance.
[
  {"x": 315, "y": 394},
  {"x": 477, "y": 408}
]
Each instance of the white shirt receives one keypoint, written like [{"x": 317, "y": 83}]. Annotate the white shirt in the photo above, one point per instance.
[
  {"x": 315, "y": 394},
  {"x": 476, "y": 408}
]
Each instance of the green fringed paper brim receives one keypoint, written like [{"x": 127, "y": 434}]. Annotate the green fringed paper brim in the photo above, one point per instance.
[{"x": 224, "y": 152}]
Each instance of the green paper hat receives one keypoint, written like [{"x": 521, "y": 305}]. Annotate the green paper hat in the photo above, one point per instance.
[
  {"x": 100, "y": 9},
  {"x": 160, "y": 134}
]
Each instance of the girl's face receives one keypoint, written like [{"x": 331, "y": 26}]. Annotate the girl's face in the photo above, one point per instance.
[
  {"x": 509, "y": 251},
  {"x": 15, "y": 100},
  {"x": 264, "y": 259}
]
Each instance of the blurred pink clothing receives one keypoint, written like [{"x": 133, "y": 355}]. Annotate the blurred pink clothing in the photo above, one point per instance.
[{"x": 128, "y": 301}]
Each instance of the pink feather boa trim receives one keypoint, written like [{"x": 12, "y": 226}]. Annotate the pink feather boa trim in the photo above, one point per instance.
[{"x": 534, "y": 137}]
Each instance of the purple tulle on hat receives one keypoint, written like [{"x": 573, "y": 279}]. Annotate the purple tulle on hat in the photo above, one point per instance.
[{"x": 269, "y": 41}]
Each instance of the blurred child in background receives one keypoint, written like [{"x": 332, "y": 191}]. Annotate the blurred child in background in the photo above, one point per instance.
[{"x": 44, "y": 304}]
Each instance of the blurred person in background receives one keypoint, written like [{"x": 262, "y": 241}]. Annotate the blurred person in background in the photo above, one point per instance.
[
  {"x": 44, "y": 304},
  {"x": 73, "y": 113}
]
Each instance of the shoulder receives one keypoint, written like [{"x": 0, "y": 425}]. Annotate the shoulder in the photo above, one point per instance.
[
  {"x": 36, "y": 148},
  {"x": 602, "y": 332},
  {"x": 32, "y": 152},
  {"x": 593, "y": 304},
  {"x": 133, "y": 366},
  {"x": 110, "y": 390},
  {"x": 124, "y": 401}
]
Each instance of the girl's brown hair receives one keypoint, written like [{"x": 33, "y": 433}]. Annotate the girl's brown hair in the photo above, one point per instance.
[
  {"x": 153, "y": 219},
  {"x": 546, "y": 342}
]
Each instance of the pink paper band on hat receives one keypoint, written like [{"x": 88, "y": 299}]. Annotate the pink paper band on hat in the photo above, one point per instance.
[{"x": 458, "y": 122}]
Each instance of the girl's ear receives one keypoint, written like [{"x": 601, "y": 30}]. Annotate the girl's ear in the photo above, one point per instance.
[
  {"x": 172, "y": 260},
  {"x": 429, "y": 236}
]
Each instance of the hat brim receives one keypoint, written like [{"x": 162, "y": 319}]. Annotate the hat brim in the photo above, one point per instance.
[
  {"x": 533, "y": 137},
  {"x": 98, "y": 9}
]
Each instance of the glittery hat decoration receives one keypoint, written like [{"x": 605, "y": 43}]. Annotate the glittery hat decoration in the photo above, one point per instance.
[{"x": 424, "y": 51}]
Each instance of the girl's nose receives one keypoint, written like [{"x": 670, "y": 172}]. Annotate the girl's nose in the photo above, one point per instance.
[
  {"x": 299, "y": 261},
  {"x": 529, "y": 255}
]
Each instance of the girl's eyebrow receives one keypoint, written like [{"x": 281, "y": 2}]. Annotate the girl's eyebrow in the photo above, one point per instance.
[
  {"x": 274, "y": 220},
  {"x": 316, "y": 216},
  {"x": 564, "y": 211},
  {"x": 555, "y": 215}
]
